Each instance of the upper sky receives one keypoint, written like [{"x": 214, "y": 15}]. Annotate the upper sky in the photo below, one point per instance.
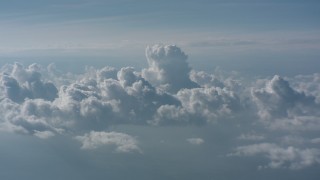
[{"x": 223, "y": 28}]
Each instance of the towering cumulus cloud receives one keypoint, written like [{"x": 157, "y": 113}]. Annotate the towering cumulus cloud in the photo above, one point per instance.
[
  {"x": 163, "y": 94},
  {"x": 168, "y": 68}
]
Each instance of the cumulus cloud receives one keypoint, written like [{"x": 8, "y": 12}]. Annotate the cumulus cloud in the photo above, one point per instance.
[
  {"x": 44, "y": 102},
  {"x": 19, "y": 83},
  {"x": 281, "y": 157},
  {"x": 289, "y": 117},
  {"x": 284, "y": 107},
  {"x": 103, "y": 97},
  {"x": 205, "y": 79},
  {"x": 98, "y": 99},
  {"x": 310, "y": 84},
  {"x": 168, "y": 68},
  {"x": 18, "y": 118},
  {"x": 122, "y": 142},
  {"x": 36, "y": 100},
  {"x": 195, "y": 141},
  {"x": 199, "y": 106}
]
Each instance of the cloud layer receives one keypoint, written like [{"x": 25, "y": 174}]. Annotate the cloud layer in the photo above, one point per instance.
[{"x": 44, "y": 102}]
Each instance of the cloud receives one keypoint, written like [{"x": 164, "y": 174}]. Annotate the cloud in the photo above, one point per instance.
[
  {"x": 284, "y": 107},
  {"x": 27, "y": 118},
  {"x": 251, "y": 137},
  {"x": 205, "y": 79},
  {"x": 199, "y": 106},
  {"x": 21, "y": 83},
  {"x": 195, "y": 141},
  {"x": 288, "y": 118},
  {"x": 281, "y": 157},
  {"x": 100, "y": 98},
  {"x": 168, "y": 68},
  {"x": 123, "y": 143},
  {"x": 92, "y": 101},
  {"x": 36, "y": 99},
  {"x": 44, "y": 102},
  {"x": 211, "y": 103},
  {"x": 44, "y": 134},
  {"x": 310, "y": 84}
]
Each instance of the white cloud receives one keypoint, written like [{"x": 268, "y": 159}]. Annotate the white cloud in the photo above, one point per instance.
[
  {"x": 44, "y": 102},
  {"x": 286, "y": 108},
  {"x": 195, "y": 141},
  {"x": 310, "y": 84},
  {"x": 281, "y": 157},
  {"x": 123, "y": 142},
  {"x": 168, "y": 68},
  {"x": 28, "y": 118},
  {"x": 210, "y": 102},
  {"x": 44, "y": 134},
  {"x": 103, "y": 97},
  {"x": 199, "y": 106},
  {"x": 207, "y": 80},
  {"x": 19, "y": 83}
]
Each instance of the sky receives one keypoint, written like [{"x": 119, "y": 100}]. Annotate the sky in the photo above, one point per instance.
[
  {"x": 123, "y": 89},
  {"x": 212, "y": 32}
]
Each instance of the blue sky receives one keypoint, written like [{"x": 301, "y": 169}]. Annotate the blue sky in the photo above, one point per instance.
[
  {"x": 124, "y": 89},
  {"x": 107, "y": 26}
]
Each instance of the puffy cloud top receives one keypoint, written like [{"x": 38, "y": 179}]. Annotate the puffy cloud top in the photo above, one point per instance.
[
  {"x": 168, "y": 68},
  {"x": 285, "y": 107},
  {"x": 19, "y": 83}
]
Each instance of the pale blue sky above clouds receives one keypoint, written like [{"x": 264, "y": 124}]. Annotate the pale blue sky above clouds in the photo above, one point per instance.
[
  {"x": 110, "y": 25},
  {"x": 217, "y": 31}
]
